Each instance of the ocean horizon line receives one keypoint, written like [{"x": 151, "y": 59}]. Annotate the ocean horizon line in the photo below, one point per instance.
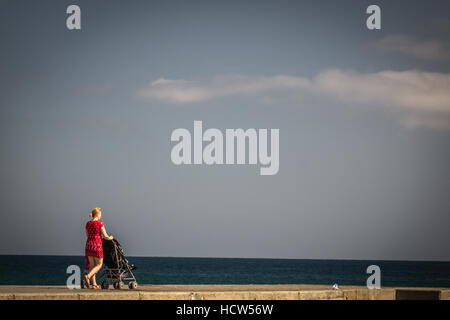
[{"x": 246, "y": 258}]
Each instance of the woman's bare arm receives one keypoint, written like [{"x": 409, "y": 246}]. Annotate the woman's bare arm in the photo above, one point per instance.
[{"x": 105, "y": 235}]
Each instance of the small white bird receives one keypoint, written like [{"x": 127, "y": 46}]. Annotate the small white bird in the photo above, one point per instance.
[{"x": 335, "y": 286}]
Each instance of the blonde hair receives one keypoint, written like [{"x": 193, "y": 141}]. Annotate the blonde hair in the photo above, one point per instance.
[{"x": 95, "y": 212}]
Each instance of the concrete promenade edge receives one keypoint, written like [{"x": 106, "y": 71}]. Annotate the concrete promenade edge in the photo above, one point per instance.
[{"x": 222, "y": 292}]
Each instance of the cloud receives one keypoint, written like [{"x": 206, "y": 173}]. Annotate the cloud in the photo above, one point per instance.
[
  {"x": 408, "y": 90},
  {"x": 419, "y": 98},
  {"x": 182, "y": 91},
  {"x": 427, "y": 50}
]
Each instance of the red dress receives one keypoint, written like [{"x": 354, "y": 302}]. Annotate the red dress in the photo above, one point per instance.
[{"x": 94, "y": 245}]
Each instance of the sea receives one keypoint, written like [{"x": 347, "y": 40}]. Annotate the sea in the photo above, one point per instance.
[{"x": 52, "y": 270}]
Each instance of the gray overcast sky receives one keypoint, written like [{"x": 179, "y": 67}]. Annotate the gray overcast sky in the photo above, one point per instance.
[{"x": 364, "y": 141}]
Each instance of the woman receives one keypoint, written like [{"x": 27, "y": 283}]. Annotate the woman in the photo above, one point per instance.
[{"x": 94, "y": 246}]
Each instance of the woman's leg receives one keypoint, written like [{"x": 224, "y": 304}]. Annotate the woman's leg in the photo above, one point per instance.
[
  {"x": 97, "y": 263},
  {"x": 91, "y": 266},
  {"x": 91, "y": 263}
]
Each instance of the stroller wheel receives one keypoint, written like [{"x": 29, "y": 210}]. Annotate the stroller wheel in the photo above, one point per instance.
[
  {"x": 119, "y": 285},
  {"x": 132, "y": 285},
  {"x": 105, "y": 284}
]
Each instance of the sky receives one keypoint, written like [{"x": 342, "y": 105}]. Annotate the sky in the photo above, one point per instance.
[{"x": 363, "y": 116}]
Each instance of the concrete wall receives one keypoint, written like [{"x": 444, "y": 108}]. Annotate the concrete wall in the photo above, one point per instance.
[{"x": 33, "y": 293}]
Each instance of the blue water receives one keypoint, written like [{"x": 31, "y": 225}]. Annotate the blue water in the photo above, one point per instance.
[{"x": 51, "y": 270}]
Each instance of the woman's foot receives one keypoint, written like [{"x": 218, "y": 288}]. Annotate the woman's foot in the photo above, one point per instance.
[
  {"x": 96, "y": 287},
  {"x": 88, "y": 282}
]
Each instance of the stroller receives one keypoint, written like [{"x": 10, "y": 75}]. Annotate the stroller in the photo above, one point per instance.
[{"x": 116, "y": 269}]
